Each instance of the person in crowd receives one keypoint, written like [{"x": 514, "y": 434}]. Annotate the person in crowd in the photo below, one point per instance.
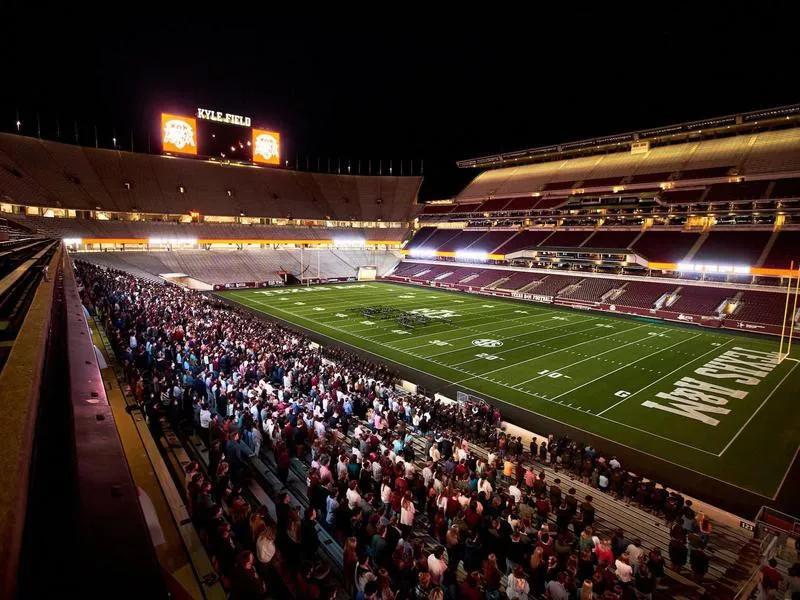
[{"x": 250, "y": 387}]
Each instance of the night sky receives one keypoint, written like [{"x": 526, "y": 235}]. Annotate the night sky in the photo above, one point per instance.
[{"x": 401, "y": 83}]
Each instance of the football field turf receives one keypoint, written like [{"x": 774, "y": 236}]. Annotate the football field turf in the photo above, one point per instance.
[{"x": 711, "y": 401}]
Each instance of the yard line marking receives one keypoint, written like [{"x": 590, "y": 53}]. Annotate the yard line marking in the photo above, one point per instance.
[
  {"x": 627, "y": 365},
  {"x": 554, "y": 351},
  {"x": 472, "y": 335},
  {"x": 477, "y": 332},
  {"x": 760, "y": 406},
  {"x": 532, "y": 394},
  {"x": 683, "y": 366},
  {"x": 559, "y": 369}
]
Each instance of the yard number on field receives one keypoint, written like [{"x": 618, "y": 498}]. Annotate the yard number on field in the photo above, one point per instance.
[
  {"x": 439, "y": 343},
  {"x": 553, "y": 374},
  {"x": 622, "y": 394},
  {"x": 488, "y": 356}
]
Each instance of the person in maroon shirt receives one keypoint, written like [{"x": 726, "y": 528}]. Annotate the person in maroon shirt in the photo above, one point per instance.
[{"x": 770, "y": 578}]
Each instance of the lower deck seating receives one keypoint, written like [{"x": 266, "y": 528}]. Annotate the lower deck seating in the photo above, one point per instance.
[
  {"x": 592, "y": 290},
  {"x": 232, "y": 266},
  {"x": 699, "y": 300},
  {"x": 641, "y": 294},
  {"x": 761, "y": 307}
]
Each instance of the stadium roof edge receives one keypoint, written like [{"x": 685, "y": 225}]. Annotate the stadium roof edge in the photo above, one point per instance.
[{"x": 730, "y": 124}]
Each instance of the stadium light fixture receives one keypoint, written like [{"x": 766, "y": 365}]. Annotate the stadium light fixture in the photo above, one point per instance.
[{"x": 72, "y": 241}]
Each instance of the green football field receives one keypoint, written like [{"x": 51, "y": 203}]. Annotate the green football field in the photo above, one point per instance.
[{"x": 711, "y": 401}]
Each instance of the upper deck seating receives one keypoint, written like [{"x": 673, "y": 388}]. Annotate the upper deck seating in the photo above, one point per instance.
[
  {"x": 37, "y": 172},
  {"x": 732, "y": 247},
  {"x": 528, "y": 238},
  {"x": 566, "y": 239},
  {"x": 665, "y": 246},
  {"x": 609, "y": 238},
  {"x": 785, "y": 250}
]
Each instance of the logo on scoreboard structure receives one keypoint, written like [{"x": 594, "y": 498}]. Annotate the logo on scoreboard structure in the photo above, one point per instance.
[
  {"x": 266, "y": 147},
  {"x": 178, "y": 134}
]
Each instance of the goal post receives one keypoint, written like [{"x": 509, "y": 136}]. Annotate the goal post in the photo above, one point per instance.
[{"x": 789, "y": 317}]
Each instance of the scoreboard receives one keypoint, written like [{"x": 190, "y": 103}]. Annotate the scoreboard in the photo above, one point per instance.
[{"x": 214, "y": 134}]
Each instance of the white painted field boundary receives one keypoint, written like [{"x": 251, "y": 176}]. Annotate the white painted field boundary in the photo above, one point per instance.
[
  {"x": 683, "y": 366},
  {"x": 498, "y": 383},
  {"x": 522, "y": 362},
  {"x": 625, "y": 366},
  {"x": 760, "y": 406},
  {"x": 570, "y": 425},
  {"x": 560, "y": 369}
]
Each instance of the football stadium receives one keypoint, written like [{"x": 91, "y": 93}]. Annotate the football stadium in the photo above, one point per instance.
[{"x": 231, "y": 371}]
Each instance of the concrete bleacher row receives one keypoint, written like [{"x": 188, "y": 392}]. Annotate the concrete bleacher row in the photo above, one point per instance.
[
  {"x": 752, "y": 247},
  {"x": 36, "y": 172},
  {"x": 249, "y": 265},
  {"x": 672, "y": 297},
  {"x": 757, "y": 154},
  {"x": 92, "y": 228}
]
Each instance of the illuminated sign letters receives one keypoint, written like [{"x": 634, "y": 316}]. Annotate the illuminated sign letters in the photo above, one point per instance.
[{"x": 221, "y": 117}]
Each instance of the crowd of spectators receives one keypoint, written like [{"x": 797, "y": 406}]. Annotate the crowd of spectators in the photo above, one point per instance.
[{"x": 449, "y": 522}]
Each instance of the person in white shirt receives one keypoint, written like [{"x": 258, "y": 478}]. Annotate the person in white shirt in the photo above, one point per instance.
[
  {"x": 434, "y": 453},
  {"x": 427, "y": 473},
  {"x": 635, "y": 553},
  {"x": 517, "y": 587},
  {"x": 407, "y": 511},
  {"x": 485, "y": 487},
  {"x": 437, "y": 565},
  {"x": 409, "y": 470},
  {"x": 514, "y": 491},
  {"x": 353, "y": 497},
  {"x": 624, "y": 570}
]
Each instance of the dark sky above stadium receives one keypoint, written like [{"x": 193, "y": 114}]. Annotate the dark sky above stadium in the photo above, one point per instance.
[{"x": 402, "y": 81}]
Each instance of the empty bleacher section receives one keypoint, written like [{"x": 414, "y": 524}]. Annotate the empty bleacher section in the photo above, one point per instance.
[
  {"x": 36, "y": 172},
  {"x": 761, "y": 307},
  {"x": 785, "y": 249},
  {"x": 524, "y": 239},
  {"x": 566, "y": 239},
  {"x": 670, "y": 296},
  {"x": 490, "y": 241},
  {"x": 592, "y": 290},
  {"x": 641, "y": 294},
  {"x": 665, "y": 246},
  {"x": 259, "y": 266},
  {"x": 518, "y": 280},
  {"x": 733, "y": 192},
  {"x": 92, "y": 228},
  {"x": 699, "y": 300},
  {"x": 552, "y": 284},
  {"x": 461, "y": 240},
  {"x": 755, "y": 154},
  {"x": 610, "y": 238},
  {"x": 732, "y": 247}
]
